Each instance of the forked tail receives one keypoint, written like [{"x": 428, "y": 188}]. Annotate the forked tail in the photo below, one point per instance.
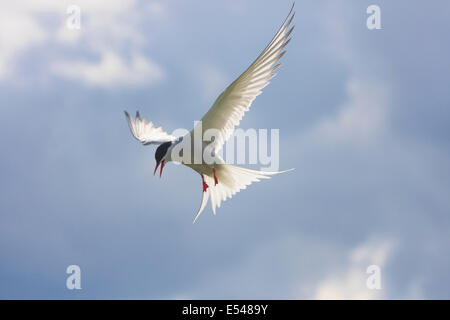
[{"x": 231, "y": 180}]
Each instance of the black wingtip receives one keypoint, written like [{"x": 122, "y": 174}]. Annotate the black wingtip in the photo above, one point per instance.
[
  {"x": 289, "y": 17},
  {"x": 292, "y": 8}
]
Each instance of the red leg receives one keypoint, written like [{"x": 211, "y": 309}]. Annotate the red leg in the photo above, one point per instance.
[
  {"x": 205, "y": 186},
  {"x": 215, "y": 178}
]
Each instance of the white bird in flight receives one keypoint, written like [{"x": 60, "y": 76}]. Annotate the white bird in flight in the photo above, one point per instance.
[{"x": 221, "y": 180}]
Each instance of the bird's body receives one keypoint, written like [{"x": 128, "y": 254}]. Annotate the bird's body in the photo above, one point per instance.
[{"x": 194, "y": 150}]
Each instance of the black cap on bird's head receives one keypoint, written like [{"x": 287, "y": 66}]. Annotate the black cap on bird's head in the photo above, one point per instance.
[{"x": 159, "y": 154}]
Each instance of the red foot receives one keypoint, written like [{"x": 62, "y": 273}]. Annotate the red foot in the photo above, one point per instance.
[
  {"x": 205, "y": 186},
  {"x": 215, "y": 178}
]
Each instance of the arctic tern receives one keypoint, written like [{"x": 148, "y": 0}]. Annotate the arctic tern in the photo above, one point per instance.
[{"x": 220, "y": 180}]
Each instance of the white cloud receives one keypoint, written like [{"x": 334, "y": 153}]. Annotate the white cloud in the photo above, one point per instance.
[
  {"x": 361, "y": 120},
  {"x": 17, "y": 34},
  {"x": 108, "y": 28},
  {"x": 350, "y": 283},
  {"x": 111, "y": 71}
]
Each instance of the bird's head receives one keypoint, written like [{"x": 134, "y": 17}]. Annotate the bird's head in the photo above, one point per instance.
[{"x": 160, "y": 155}]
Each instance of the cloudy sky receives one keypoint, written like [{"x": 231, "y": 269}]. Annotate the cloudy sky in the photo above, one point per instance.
[{"x": 363, "y": 117}]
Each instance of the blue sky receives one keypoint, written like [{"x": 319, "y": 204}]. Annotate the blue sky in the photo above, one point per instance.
[{"x": 363, "y": 117}]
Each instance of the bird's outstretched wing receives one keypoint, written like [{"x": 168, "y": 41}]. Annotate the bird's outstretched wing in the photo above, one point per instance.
[
  {"x": 146, "y": 132},
  {"x": 229, "y": 108}
]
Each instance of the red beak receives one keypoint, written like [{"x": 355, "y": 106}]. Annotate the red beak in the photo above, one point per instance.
[
  {"x": 162, "y": 166},
  {"x": 156, "y": 168}
]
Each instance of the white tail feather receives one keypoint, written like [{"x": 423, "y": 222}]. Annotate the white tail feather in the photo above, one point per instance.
[{"x": 232, "y": 179}]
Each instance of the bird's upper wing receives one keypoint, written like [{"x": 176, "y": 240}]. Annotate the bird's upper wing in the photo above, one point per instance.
[
  {"x": 146, "y": 132},
  {"x": 229, "y": 108}
]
